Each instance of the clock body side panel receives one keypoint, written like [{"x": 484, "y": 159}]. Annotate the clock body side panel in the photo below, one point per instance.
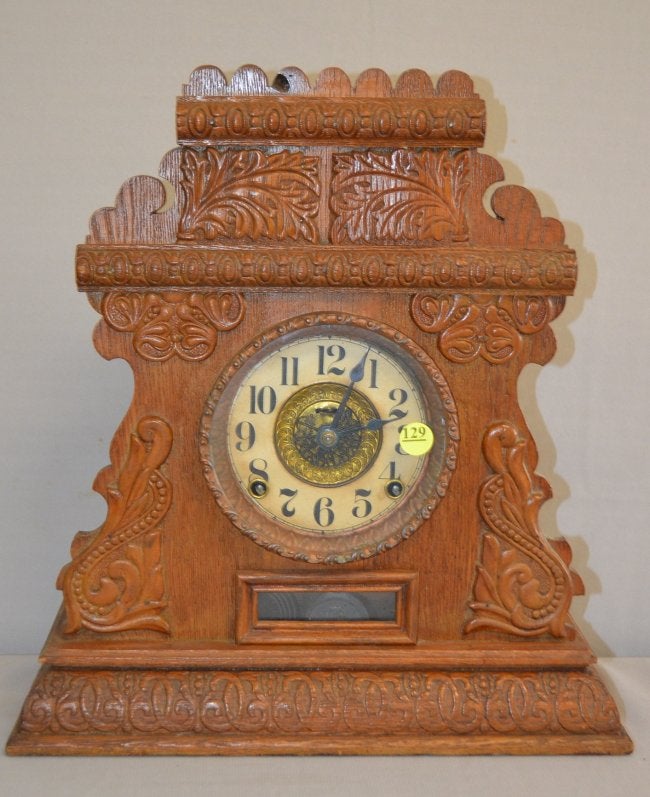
[{"x": 202, "y": 551}]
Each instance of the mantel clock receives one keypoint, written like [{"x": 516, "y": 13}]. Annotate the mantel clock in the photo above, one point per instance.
[{"x": 322, "y": 530}]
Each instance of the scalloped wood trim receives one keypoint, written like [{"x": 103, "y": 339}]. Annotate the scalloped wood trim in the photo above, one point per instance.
[
  {"x": 372, "y": 111},
  {"x": 210, "y": 81}
]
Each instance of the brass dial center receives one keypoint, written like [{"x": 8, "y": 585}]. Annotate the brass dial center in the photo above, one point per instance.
[{"x": 322, "y": 442}]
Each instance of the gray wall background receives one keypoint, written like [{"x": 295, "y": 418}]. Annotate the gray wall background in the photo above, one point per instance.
[{"x": 88, "y": 95}]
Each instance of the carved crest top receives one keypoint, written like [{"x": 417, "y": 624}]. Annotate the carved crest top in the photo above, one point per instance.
[
  {"x": 373, "y": 111},
  {"x": 250, "y": 80},
  {"x": 330, "y": 183}
]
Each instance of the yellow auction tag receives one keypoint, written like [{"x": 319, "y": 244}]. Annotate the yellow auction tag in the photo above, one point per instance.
[{"x": 416, "y": 439}]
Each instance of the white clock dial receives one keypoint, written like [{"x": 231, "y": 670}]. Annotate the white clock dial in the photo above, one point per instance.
[
  {"x": 329, "y": 439},
  {"x": 316, "y": 449}
]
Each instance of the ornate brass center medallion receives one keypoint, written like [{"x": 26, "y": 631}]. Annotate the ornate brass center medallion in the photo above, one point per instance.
[{"x": 322, "y": 435}]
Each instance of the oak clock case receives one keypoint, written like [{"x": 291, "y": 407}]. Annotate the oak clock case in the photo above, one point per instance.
[{"x": 322, "y": 530}]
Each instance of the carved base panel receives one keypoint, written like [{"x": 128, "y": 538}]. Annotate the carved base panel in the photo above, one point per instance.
[{"x": 216, "y": 712}]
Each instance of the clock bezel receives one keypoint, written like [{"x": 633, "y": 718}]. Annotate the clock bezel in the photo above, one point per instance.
[{"x": 361, "y": 542}]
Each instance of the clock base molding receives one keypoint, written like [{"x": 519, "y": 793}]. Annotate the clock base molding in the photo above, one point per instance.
[{"x": 71, "y": 711}]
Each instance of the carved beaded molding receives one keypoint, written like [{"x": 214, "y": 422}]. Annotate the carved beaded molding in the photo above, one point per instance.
[{"x": 475, "y": 269}]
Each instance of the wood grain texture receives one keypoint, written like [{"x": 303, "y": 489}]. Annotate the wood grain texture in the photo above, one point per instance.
[{"x": 288, "y": 202}]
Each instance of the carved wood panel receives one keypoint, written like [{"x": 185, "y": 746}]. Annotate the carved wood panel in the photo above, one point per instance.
[
  {"x": 486, "y": 326},
  {"x": 523, "y": 583},
  {"x": 165, "y": 325},
  {"x": 249, "y": 194},
  {"x": 311, "y": 703},
  {"x": 115, "y": 580},
  {"x": 402, "y": 197}
]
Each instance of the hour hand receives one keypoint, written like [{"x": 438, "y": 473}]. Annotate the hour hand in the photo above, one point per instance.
[
  {"x": 377, "y": 423},
  {"x": 372, "y": 425}
]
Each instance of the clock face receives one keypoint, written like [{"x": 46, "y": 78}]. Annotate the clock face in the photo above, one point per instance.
[{"x": 329, "y": 441}]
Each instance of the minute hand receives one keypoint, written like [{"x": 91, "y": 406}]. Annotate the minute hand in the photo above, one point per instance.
[{"x": 356, "y": 375}]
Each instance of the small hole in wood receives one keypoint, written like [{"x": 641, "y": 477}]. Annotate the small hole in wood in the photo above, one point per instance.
[{"x": 281, "y": 83}]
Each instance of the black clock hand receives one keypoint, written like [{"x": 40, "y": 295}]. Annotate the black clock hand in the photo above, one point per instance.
[
  {"x": 372, "y": 425},
  {"x": 356, "y": 375}
]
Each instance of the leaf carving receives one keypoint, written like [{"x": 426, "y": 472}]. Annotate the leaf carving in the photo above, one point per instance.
[
  {"x": 405, "y": 196},
  {"x": 249, "y": 194}
]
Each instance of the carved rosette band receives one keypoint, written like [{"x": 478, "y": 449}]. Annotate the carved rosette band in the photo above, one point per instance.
[
  {"x": 347, "y": 121},
  {"x": 115, "y": 580},
  {"x": 523, "y": 582},
  {"x": 483, "y": 326},
  {"x": 137, "y": 703},
  {"x": 473, "y": 269},
  {"x": 173, "y": 323}
]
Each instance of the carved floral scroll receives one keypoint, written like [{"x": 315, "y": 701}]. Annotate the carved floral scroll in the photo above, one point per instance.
[
  {"x": 248, "y": 194},
  {"x": 115, "y": 579},
  {"x": 523, "y": 584},
  {"x": 405, "y": 196},
  {"x": 173, "y": 323},
  {"x": 483, "y": 326}
]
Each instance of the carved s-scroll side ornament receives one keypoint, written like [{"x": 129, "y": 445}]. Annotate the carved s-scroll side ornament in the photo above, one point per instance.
[
  {"x": 173, "y": 323},
  {"x": 401, "y": 197},
  {"x": 249, "y": 194},
  {"x": 523, "y": 583},
  {"x": 115, "y": 579},
  {"x": 483, "y": 326}
]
